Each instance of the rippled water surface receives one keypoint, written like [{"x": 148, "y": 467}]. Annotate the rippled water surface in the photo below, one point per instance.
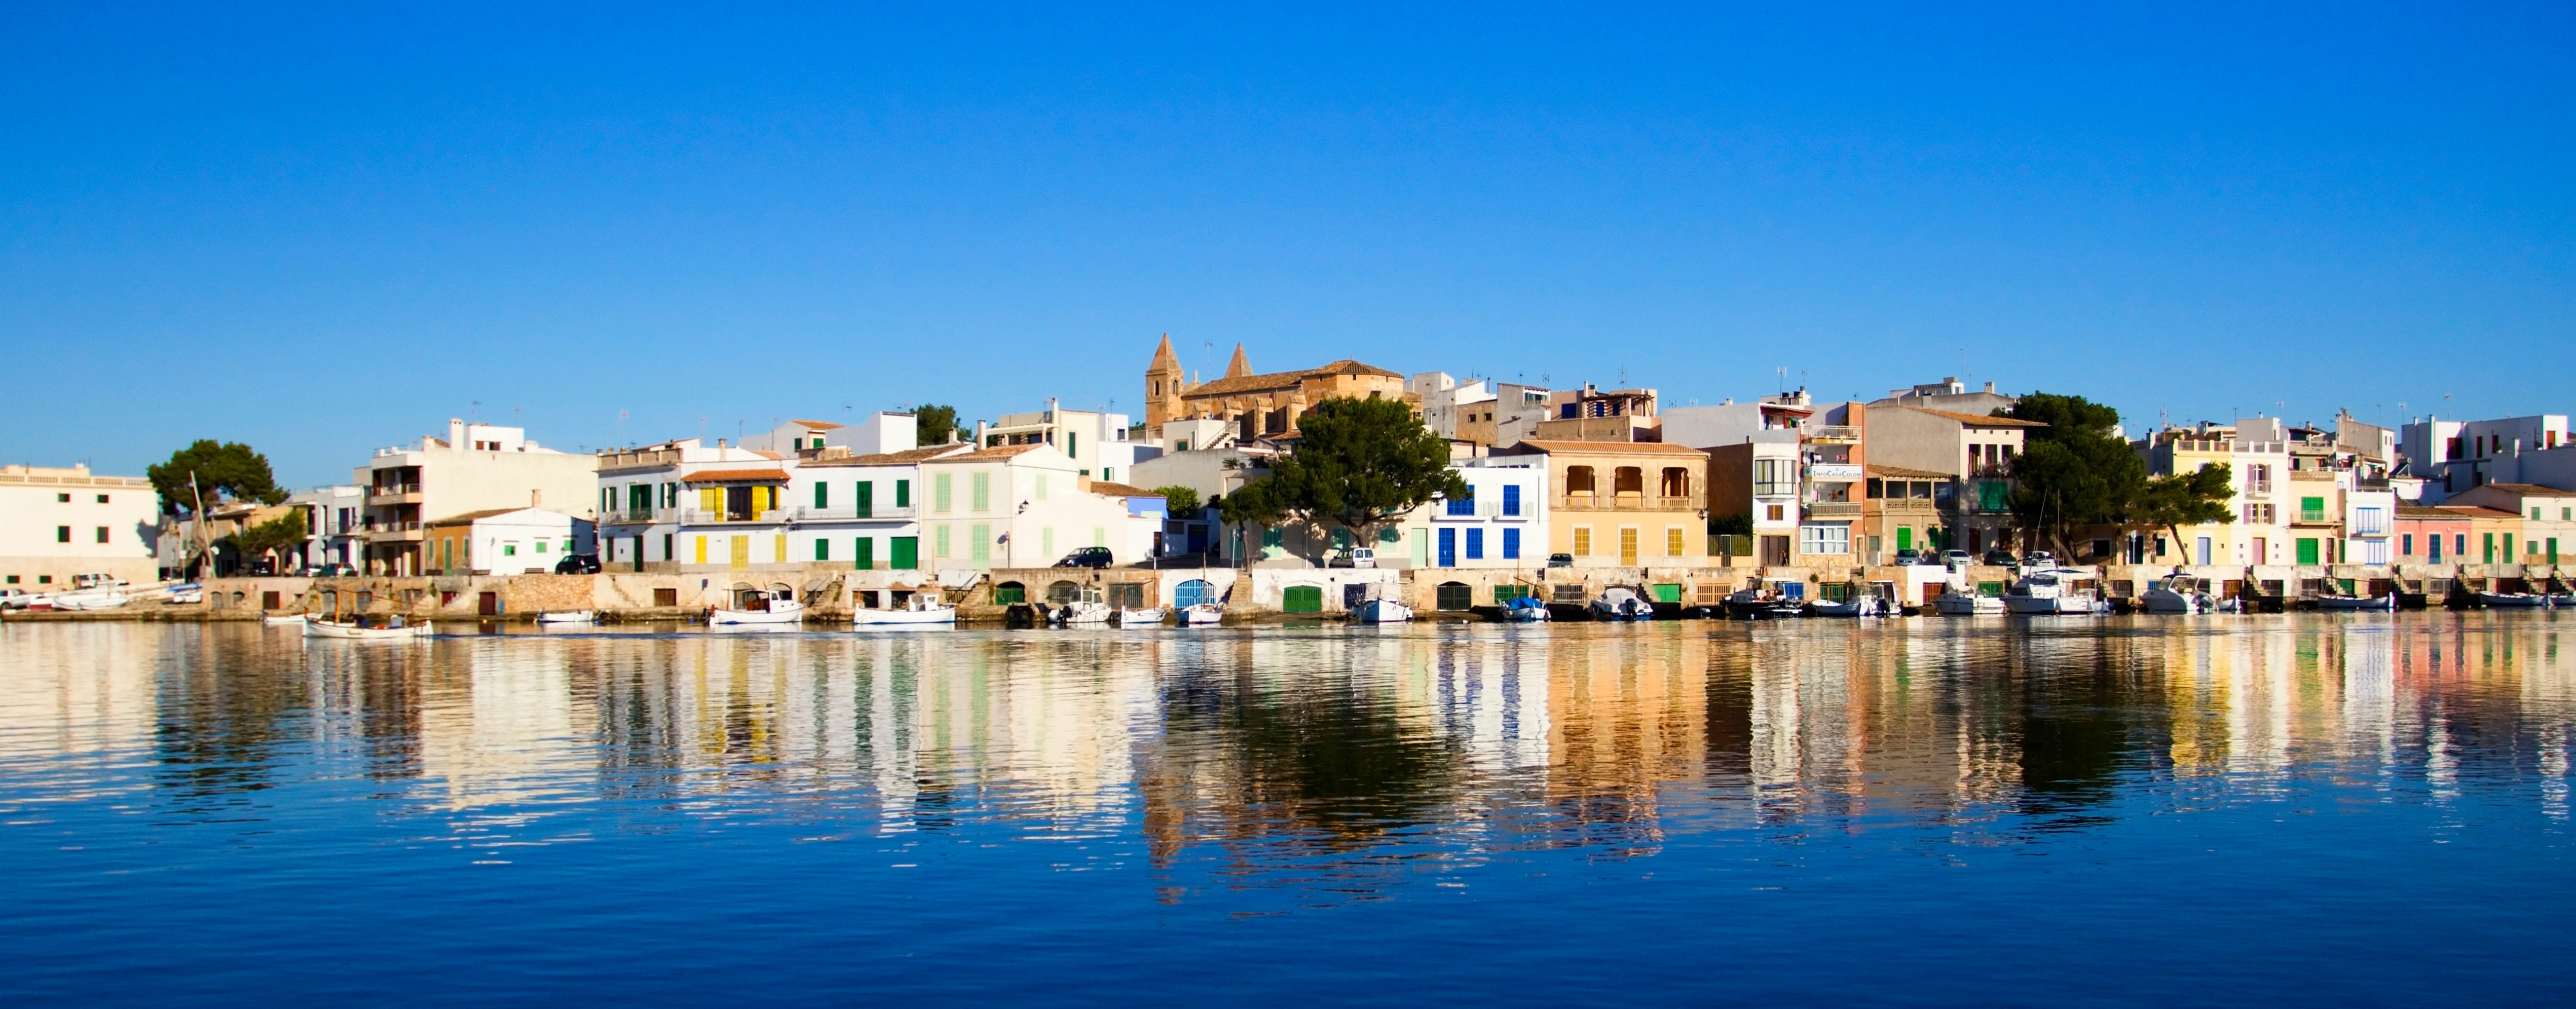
[{"x": 2233, "y": 809}]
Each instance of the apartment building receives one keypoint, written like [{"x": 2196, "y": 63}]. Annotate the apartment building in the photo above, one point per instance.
[
  {"x": 681, "y": 504},
  {"x": 337, "y": 518},
  {"x": 2257, "y": 454},
  {"x": 2452, "y": 456},
  {"x": 1625, "y": 504},
  {"x": 1592, "y": 414},
  {"x": 862, "y": 511},
  {"x": 2548, "y": 519},
  {"x": 1976, "y": 451},
  {"x": 1501, "y": 522},
  {"x": 477, "y": 467},
  {"x": 1096, "y": 442},
  {"x": 58, "y": 522}
]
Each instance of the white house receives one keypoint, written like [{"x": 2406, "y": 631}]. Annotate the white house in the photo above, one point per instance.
[
  {"x": 505, "y": 541},
  {"x": 682, "y": 503},
  {"x": 478, "y": 467},
  {"x": 57, "y": 523},
  {"x": 1097, "y": 442},
  {"x": 862, "y": 511},
  {"x": 1500, "y": 523},
  {"x": 1023, "y": 505}
]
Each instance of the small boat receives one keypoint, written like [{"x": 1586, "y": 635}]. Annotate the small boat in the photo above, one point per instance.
[
  {"x": 2491, "y": 600},
  {"x": 1151, "y": 616},
  {"x": 185, "y": 595},
  {"x": 2343, "y": 602},
  {"x": 1962, "y": 601},
  {"x": 347, "y": 628},
  {"x": 2054, "y": 591},
  {"x": 1764, "y": 600},
  {"x": 1082, "y": 611},
  {"x": 289, "y": 620},
  {"x": 1202, "y": 615},
  {"x": 1856, "y": 606},
  {"x": 1382, "y": 611},
  {"x": 2180, "y": 594},
  {"x": 767, "y": 608},
  {"x": 1524, "y": 610},
  {"x": 93, "y": 592},
  {"x": 568, "y": 617},
  {"x": 923, "y": 609},
  {"x": 1619, "y": 602}
]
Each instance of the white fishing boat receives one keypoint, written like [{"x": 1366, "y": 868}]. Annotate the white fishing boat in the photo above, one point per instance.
[
  {"x": 93, "y": 592},
  {"x": 289, "y": 620},
  {"x": 2055, "y": 590},
  {"x": 1381, "y": 611},
  {"x": 1082, "y": 611},
  {"x": 345, "y": 628},
  {"x": 2180, "y": 594},
  {"x": 2344, "y": 602},
  {"x": 1761, "y": 599},
  {"x": 1525, "y": 610},
  {"x": 1965, "y": 601},
  {"x": 568, "y": 617},
  {"x": 924, "y": 609},
  {"x": 772, "y": 607},
  {"x": 1856, "y": 606},
  {"x": 1619, "y": 602},
  {"x": 1151, "y": 616},
  {"x": 188, "y": 594},
  {"x": 1202, "y": 615}
]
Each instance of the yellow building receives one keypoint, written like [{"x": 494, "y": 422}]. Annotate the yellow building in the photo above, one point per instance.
[
  {"x": 1626, "y": 504},
  {"x": 1258, "y": 405}
]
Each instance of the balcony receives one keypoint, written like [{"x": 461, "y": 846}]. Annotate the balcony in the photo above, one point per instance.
[
  {"x": 705, "y": 518},
  {"x": 394, "y": 493},
  {"x": 1627, "y": 502},
  {"x": 1491, "y": 511},
  {"x": 407, "y": 529},
  {"x": 853, "y": 514},
  {"x": 1991, "y": 470},
  {"x": 1835, "y": 511},
  {"x": 643, "y": 515},
  {"x": 2316, "y": 517},
  {"x": 1834, "y": 434}
]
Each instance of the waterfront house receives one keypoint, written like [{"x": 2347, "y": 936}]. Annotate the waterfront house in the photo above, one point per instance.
[
  {"x": 504, "y": 541},
  {"x": 2429, "y": 534},
  {"x": 2548, "y": 519},
  {"x": 477, "y": 467},
  {"x": 334, "y": 516},
  {"x": 1098, "y": 443},
  {"x": 682, "y": 504},
  {"x": 2257, "y": 454},
  {"x": 1023, "y": 505},
  {"x": 1501, "y": 522},
  {"x": 1975, "y": 450},
  {"x": 1626, "y": 504},
  {"x": 57, "y": 523},
  {"x": 861, "y": 511},
  {"x": 1899, "y": 513}
]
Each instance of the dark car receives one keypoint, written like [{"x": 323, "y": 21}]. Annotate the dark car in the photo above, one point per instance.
[
  {"x": 2003, "y": 558},
  {"x": 336, "y": 571},
  {"x": 1087, "y": 557},
  {"x": 1560, "y": 560},
  {"x": 578, "y": 564}
]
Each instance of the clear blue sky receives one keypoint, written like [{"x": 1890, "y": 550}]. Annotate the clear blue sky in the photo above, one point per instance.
[{"x": 321, "y": 231}]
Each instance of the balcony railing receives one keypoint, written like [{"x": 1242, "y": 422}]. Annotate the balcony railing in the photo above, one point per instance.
[
  {"x": 392, "y": 526},
  {"x": 1836, "y": 510},
  {"x": 392, "y": 489},
  {"x": 2316, "y": 517},
  {"x": 1628, "y": 502},
  {"x": 1833, "y": 433},
  {"x": 1996, "y": 470},
  {"x": 1774, "y": 488},
  {"x": 851, "y": 514},
  {"x": 706, "y": 518},
  {"x": 1450, "y": 511}
]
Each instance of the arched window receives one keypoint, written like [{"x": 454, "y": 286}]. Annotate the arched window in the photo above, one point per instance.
[
  {"x": 1676, "y": 482},
  {"x": 1578, "y": 485},
  {"x": 1192, "y": 593},
  {"x": 1061, "y": 593},
  {"x": 1456, "y": 596},
  {"x": 1010, "y": 592},
  {"x": 1628, "y": 480}
]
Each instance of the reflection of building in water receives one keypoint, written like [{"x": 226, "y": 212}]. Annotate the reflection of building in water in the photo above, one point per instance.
[
  {"x": 80, "y": 689},
  {"x": 503, "y": 726}
]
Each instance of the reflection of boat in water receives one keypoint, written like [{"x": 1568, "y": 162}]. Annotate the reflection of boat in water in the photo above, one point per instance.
[
  {"x": 568, "y": 617},
  {"x": 291, "y": 620},
  {"x": 1620, "y": 602},
  {"x": 1524, "y": 610},
  {"x": 772, "y": 606},
  {"x": 2055, "y": 590},
  {"x": 1151, "y": 616},
  {"x": 350, "y": 629},
  {"x": 1382, "y": 611},
  {"x": 2180, "y": 594},
  {"x": 922, "y": 610}
]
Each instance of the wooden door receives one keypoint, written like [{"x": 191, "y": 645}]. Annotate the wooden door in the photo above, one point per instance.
[{"x": 487, "y": 604}]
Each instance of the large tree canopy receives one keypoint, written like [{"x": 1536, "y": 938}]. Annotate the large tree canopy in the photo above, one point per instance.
[
  {"x": 1358, "y": 464},
  {"x": 933, "y": 424},
  {"x": 2171, "y": 502},
  {"x": 224, "y": 472},
  {"x": 282, "y": 533},
  {"x": 2076, "y": 471}
]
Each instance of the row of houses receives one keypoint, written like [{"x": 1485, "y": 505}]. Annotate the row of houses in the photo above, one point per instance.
[{"x": 1578, "y": 478}]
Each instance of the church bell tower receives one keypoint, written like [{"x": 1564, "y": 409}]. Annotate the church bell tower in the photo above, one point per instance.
[{"x": 1163, "y": 388}]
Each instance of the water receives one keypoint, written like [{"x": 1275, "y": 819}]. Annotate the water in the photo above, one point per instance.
[{"x": 2241, "y": 810}]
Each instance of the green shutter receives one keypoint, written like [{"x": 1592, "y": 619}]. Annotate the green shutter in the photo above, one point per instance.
[
  {"x": 866, "y": 499},
  {"x": 822, "y": 496},
  {"x": 907, "y": 553},
  {"x": 1302, "y": 599},
  {"x": 822, "y": 545},
  {"x": 863, "y": 552},
  {"x": 2307, "y": 551},
  {"x": 1904, "y": 540},
  {"x": 903, "y": 493}
]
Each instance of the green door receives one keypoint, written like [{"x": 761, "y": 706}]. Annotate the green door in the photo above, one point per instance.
[
  {"x": 2307, "y": 551},
  {"x": 1905, "y": 537},
  {"x": 1303, "y": 599},
  {"x": 1668, "y": 593},
  {"x": 863, "y": 553},
  {"x": 907, "y": 553},
  {"x": 866, "y": 497},
  {"x": 903, "y": 494}
]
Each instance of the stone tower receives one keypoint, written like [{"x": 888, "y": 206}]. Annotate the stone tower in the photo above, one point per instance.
[
  {"x": 1163, "y": 387},
  {"x": 1241, "y": 366}
]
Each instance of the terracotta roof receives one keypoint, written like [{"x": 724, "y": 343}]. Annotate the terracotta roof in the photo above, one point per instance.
[
  {"x": 2475, "y": 512},
  {"x": 736, "y": 476},
  {"x": 2528, "y": 489},
  {"x": 1608, "y": 447},
  {"x": 1972, "y": 418},
  {"x": 1902, "y": 473},
  {"x": 469, "y": 518},
  {"x": 2414, "y": 511},
  {"x": 819, "y": 425},
  {"x": 1284, "y": 379},
  {"x": 906, "y": 457},
  {"x": 1120, "y": 490}
]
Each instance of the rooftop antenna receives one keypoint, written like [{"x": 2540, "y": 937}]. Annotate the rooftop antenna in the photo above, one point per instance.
[{"x": 621, "y": 427}]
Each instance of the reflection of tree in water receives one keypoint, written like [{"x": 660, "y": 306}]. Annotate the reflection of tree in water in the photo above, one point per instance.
[
  {"x": 1279, "y": 773},
  {"x": 2083, "y": 720}
]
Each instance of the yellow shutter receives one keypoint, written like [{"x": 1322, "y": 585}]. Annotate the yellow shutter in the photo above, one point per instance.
[
  {"x": 1583, "y": 541},
  {"x": 1673, "y": 541},
  {"x": 711, "y": 499},
  {"x": 702, "y": 548},
  {"x": 782, "y": 547}
]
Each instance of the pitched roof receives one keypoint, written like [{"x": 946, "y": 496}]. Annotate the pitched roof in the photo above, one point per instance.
[
  {"x": 1607, "y": 447},
  {"x": 996, "y": 452},
  {"x": 906, "y": 457},
  {"x": 819, "y": 425},
  {"x": 2475, "y": 512},
  {"x": 1232, "y": 384},
  {"x": 1240, "y": 366},
  {"x": 2529, "y": 489},
  {"x": 1104, "y": 487},
  {"x": 2416, "y": 511},
  {"x": 1903, "y": 473},
  {"x": 1978, "y": 419},
  {"x": 736, "y": 476}
]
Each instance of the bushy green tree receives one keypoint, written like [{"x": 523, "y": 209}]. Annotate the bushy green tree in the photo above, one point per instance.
[
  {"x": 2185, "y": 499},
  {"x": 2076, "y": 471},
  {"x": 229, "y": 471},
  {"x": 934, "y": 424},
  {"x": 1181, "y": 500},
  {"x": 274, "y": 536},
  {"x": 1357, "y": 464}
]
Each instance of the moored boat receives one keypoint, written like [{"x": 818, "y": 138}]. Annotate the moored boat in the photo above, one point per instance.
[
  {"x": 568, "y": 617},
  {"x": 922, "y": 610},
  {"x": 1382, "y": 611},
  {"x": 2491, "y": 600},
  {"x": 1151, "y": 616},
  {"x": 2179, "y": 594},
  {"x": 1202, "y": 615},
  {"x": 1760, "y": 599},
  {"x": 1859, "y": 605},
  {"x": 2055, "y": 591},
  {"x": 2344, "y": 602},
  {"x": 349, "y": 629},
  {"x": 1524, "y": 610},
  {"x": 289, "y": 620},
  {"x": 762, "y": 608},
  {"x": 1082, "y": 611},
  {"x": 1620, "y": 602},
  {"x": 1966, "y": 602}
]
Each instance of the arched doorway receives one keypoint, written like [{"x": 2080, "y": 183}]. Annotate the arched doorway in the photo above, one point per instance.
[
  {"x": 1061, "y": 593},
  {"x": 1010, "y": 592},
  {"x": 1192, "y": 593},
  {"x": 1455, "y": 595}
]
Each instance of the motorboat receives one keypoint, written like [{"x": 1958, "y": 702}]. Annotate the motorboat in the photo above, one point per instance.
[
  {"x": 1965, "y": 601},
  {"x": 2180, "y": 594},
  {"x": 350, "y": 629},
  {"x": 1760, "y": 599},
  {"x": 1524, "y": 610},
  {"x": 1151, "y": 616},
  {"x": 1620, "y": 602},
  {"x": 187, "y": 594},
  {"x": 1859, "y": 605},
  {"x": 1382, "y": 611},
  {"x": 771, "y": 607},
  {"x": 2343, "y": 602},
  {"x": 923, "y": 609},
  {"x": 93, "y": 592},
  {"x": 1202, "y": 615},
  {"x": 2491, "y": 600},
  {"x": 568, "y": 617},
  {"x": 1082, "y": 611},
  {"x": 2055, "y": 590}
]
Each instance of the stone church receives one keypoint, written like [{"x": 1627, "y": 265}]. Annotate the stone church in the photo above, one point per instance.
[{"x": 1257, "y": 405}]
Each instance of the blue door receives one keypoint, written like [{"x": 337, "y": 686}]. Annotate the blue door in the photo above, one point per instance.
[
  {"x": 1192, "y": 593},
  {"x": 1448, "y": 548}
]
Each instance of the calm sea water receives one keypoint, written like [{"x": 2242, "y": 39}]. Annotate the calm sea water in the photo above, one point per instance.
[{"x": 2231, "y": 809}]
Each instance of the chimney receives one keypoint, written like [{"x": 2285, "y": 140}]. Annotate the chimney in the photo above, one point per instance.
[
  {"x": 1990, "y": 388},
  {"x": 536, "y": 498},
  {"x": 455, "y": 432}
]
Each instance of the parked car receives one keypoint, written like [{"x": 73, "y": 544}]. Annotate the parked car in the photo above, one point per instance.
[
  {"x": 14, "y": 599},
  {"x": 1957, "y": 559},
  {"x": 1358, "y": 557},
  {"x": 1560, "y": 560},
  {"x": 1907, "y": 556},
  {"x": 2039, "y": 559},
  {"x": 578, "y": 564},
  {"x": 1087, "y": 557},
  {"x": 2001, "y": 558},
  {"x": 336, "y": 571}
]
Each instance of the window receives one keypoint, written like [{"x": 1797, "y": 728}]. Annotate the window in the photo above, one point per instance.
[
  {"x": 102, "y": 534},
  {"x": 1583, "y": 541},
  {"x": 1038, "y": 488},
  {"x": 1464, "y": 504},
  {"x": 1775, "y": 476},
  {"x": 980, "y": 492},
  {"x": 2312, "y": 509},
  {"x": 509, "y": 550},
  {"x": 1675, "y": 544},
  {"x": 1824, "y": 539},
  {"x": 541, "y": 544},
  {"x": 1455, "y": 595},
  {"x": 62, "y": 534},
  {"x": 822, "y": 496},
  {"x": 941, "y": 497},
  {"x": 1511, "y": 544},
  {"x": 2371, "y": 521},
  {"x": 63, "y": 498},
  {"x": 2406, "y": 545},
  {"x": 102, "y": 499},
  {"x": 822, "y": 548},
  {"x": 1475, "y": 544},
  {"x": 903, "y": 493},
  {"x": 939, "y": 539},
  {"x": 1775, "y": 513},
  {"x": 1511, "y": 499}
]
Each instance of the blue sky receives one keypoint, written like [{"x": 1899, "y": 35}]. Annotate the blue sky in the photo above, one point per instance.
[{"x": 321, "y": 231}]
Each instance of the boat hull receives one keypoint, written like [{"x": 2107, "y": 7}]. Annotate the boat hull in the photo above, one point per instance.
[
  {"x": 2349, "y": 603},
  {"x": 1960, "y": 604},
  {"x": 2491, "y": 600},
  {"x": 347, "y": 632},
  {"x": 794, "y": 614},
  {"x": 573, "y": 617},
  {"x": 1141, "y": 618},
  {"x": 1382, "y": 611},
  {"x": 2050, "y": 605},
  {"x": 904, "y": 618},
  {"x": 293, "y": 621},
  {"x": 1202, "y": 615}
]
